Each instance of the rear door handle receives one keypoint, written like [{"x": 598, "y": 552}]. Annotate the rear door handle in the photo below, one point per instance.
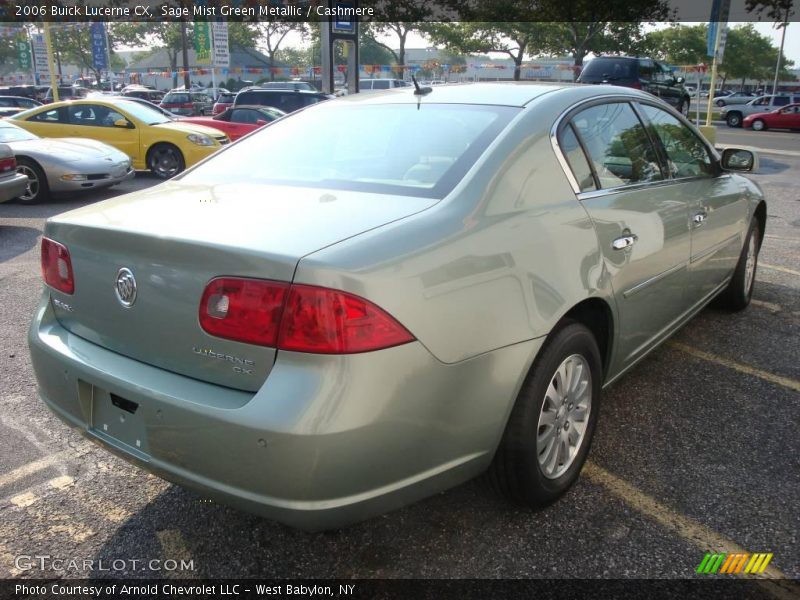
[{"x": 626, "y": 241}]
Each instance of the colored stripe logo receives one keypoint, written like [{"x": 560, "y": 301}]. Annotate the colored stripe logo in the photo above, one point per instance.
[{"x": 734, "y": 563}]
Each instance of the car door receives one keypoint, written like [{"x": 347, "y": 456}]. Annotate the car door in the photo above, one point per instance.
[
  {"x": 647, "y": 77},
  {"x": 642, "y": 223},
  {"x": 242, "y": 121},
  {"x": 717, "y": 206},
  {"x": 97, "y": 122},
  {"x": 48, "y": 122},
  {"x": 670, "y": 90}
]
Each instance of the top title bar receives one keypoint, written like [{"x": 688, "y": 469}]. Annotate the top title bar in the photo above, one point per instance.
[{"x": 687, "y": 11}]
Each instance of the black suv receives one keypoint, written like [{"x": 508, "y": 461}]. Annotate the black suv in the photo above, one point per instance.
[
  {"x": 285, "y": 100},
  {"x": 640, "y": 73}
]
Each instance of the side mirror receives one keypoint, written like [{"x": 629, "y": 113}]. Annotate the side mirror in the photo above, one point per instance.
[
  {"x": 124, "y": 123},
  {"x": 738, "y": 159}
]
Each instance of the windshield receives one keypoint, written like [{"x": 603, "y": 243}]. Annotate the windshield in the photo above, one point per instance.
[
  {"x": 384, "y": 148},
  {"x": 142, "y": 112},
  {"x": 12, "y": 133}
]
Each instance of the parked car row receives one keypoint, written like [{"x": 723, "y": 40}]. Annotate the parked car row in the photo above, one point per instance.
[{"x": 734, "y": 116}]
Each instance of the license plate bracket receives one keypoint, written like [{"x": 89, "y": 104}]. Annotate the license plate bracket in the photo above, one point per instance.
[{"x": 119, "y": 421}]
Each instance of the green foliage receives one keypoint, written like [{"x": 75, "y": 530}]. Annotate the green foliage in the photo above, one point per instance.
[
  {"x": 678, "y": 44},
  {"x": 751, "y": 55}
]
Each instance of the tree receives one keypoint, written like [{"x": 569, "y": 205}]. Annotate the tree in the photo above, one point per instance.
[
  {"x": 273, "y": 33},
  {"x": 779, "y": 11},
  {"x": 516, "y": 39},
  {"x": 678, "y": 44},
  {"x": 166, "y": 35},
  {"x": 73, "y": 44},
  {"x": 750, "y": 55},
  {"x": 398, "y": 18}
]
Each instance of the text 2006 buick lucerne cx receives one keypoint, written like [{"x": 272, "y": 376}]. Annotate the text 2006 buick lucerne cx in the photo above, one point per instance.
[{"x": 382, "y": 296}]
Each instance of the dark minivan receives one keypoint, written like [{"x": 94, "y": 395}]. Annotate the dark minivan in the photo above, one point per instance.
[
  {"x": 285, "y": 100},
  {"x": 640, "y": 73}
]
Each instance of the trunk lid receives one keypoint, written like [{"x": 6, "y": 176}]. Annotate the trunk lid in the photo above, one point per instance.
[{"x": 175, "y": 238}]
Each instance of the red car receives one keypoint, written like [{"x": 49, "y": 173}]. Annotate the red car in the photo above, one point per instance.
[
  {"x": 223, "y": 103},
  {"x": 239, "y": 121},
  {"x": 786, "y": 117}
]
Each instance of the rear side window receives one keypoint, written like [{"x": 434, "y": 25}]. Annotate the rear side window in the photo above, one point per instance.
[
  {"x": 176, "y": 99},
  {"x": 577, "y": 159},
  {"x": 55, "y": 115},
  {"x": 617, "y": 144},
  {"x": 382, "y": 84},
  {"x": 610, "y": 69},
  {"x": 781, "y": 101}
]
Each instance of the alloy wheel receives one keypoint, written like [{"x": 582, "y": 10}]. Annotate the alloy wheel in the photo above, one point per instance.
[
  {"x": 564, "y": 416},
  {"x": 165, "y": 162},
  {"x": 32, "y": 189}
]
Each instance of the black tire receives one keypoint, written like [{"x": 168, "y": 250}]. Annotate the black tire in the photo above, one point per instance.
[
  {"x": 38, "y": 189},
  {"x": 165, "y": 161},
  {"x": 737, "y": 295},
  {"x": 759, "y": 125},
  {"x": 516, "y": 471},
  {"x": 734, "y": 119}
]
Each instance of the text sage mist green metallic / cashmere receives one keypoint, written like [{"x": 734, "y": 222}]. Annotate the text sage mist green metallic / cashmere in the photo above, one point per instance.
[{"x": 382, "y": 296}]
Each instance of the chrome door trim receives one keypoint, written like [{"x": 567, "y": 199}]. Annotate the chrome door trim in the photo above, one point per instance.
[
  {"x": 654, "y": 279},
  {"x": 718, "y": 246}
]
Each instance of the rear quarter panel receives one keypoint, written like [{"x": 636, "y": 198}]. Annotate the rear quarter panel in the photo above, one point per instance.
[{"x": 497, "y": 262}]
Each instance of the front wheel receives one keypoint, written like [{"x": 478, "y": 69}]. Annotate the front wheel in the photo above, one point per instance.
[
  {"x": 165, "y": 161},
  {"x": 740, "y": 289},
  {"x": 734, "y": 119},
  {"x": 759, "y": 125},
  {"x": 550, "y": 429},
  {"x": 719, "y": 102}
]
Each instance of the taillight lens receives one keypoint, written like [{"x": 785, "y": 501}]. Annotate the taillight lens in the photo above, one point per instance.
[
  {"x": 246, "y": 310},
  {"x": 301, "y": 318},
  {"x": 57, "y": 266},
  {"x": 8, "y": 164},
  {"x": 327, "y": 321}
]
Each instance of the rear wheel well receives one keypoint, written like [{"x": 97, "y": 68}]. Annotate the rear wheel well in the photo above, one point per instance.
[
  {"x": 595, "y": 315},
  {"x": 760, "y": 215}
]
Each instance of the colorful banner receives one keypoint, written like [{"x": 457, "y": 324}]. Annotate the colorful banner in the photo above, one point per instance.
[
  {"x": 24, "y": 58},
  {"x": 202, "y": 42}
]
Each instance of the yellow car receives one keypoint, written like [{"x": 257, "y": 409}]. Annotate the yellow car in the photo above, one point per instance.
[{"x": 151, "y": 139}]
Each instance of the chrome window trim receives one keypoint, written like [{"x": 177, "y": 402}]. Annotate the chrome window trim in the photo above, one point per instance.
[{"x": 633, "y": 100}]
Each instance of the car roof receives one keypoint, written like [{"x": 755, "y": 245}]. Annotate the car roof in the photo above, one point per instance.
[
  {"x": 502, "y": 94},
  {"x": 283, "y": 91}
]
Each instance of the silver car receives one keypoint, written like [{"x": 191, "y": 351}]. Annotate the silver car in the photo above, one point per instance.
[
  {"x": 64, "y": 164},
  {"x": 12, "y": 184},
  {"x": 385, "y": 295}
]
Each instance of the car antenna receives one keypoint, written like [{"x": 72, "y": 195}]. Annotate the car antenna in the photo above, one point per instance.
[{"x": 420, "y": 91}]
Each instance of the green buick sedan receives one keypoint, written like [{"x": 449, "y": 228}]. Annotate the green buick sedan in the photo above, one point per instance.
[{"x": 382, "y": 296}]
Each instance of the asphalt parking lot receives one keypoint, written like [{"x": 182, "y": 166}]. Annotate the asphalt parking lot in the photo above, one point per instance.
[{"x": 696, "y": 450}]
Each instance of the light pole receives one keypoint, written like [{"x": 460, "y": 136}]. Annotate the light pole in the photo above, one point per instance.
[{"x": 783, "y": 25}]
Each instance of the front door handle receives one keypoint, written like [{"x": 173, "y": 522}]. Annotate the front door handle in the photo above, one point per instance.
[
  {"x": 626, "y": 241},
  {"x": 699, "y": 219}
]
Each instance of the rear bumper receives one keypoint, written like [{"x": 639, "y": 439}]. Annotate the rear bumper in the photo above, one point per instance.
[
  {"x": 13, "y": 187},
  {"x": 325, "y": 442}
]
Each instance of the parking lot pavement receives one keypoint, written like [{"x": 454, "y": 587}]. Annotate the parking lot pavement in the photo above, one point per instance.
[{"x": 696, "y": 450}]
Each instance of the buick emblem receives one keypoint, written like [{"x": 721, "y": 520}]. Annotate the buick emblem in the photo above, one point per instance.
[{"x": 126, "y": 287}]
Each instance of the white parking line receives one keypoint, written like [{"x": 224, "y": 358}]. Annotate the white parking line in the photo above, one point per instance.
[
  {"x": 778, "y": 268},
  {"x": 35, "y": 466}
]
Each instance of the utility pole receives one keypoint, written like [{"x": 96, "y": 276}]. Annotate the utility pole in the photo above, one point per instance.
[
  {"x": 186, "y": 81},
  {"x": 783, "y": 25}
]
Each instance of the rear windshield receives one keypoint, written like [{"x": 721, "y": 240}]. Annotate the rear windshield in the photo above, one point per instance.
[
  {"x": 609, "y": 69},
  {"x": 389, "y": 148},
  {"x": 176, "y": 99},
  {"x": 288, "y": 101},
  {"x": 226, "y": 97}
]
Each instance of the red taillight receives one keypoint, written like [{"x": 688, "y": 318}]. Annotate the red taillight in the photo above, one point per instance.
[
  {"x": 57, "y": 266},
  {"x": 637, "y": 85},
  {"x": 301, "y": 318},
  {"x": 246, "y": 310},
  {"x": 8, "y": 164}
]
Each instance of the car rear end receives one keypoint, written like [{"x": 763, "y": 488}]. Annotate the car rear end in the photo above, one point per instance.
[
  {"x": 179, "y": 103},
  {"x": 613, "y": 70},
  {"x": 223, "y": 103},
  {"x": 12, "y": 184},
  {"x": 201, "y": 346}
]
